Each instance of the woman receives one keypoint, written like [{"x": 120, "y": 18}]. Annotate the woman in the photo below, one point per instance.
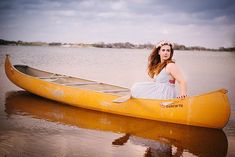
[{"x": 164, "y": 72}]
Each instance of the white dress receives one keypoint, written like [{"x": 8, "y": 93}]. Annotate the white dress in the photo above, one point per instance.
[{"x": 163, "y": 87}]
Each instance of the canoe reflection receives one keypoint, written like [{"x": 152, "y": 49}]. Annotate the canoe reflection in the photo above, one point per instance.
[{"x": 156, "y": 136}]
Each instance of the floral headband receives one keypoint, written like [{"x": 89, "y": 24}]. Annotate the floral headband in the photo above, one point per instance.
[{"x": 163, "y": 42}]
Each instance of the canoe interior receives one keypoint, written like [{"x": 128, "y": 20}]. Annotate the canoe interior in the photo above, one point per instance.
[{"x": 72, "y": 81}]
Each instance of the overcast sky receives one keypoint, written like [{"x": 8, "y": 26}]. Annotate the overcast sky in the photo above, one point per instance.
[{"x": 208, "y": 23}]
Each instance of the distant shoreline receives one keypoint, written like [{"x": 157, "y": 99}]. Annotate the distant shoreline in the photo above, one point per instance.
[{"x": 125, "y": 45}]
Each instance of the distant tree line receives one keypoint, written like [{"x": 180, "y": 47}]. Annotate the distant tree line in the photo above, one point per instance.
[
  {"x": 19, "y": 42},
  {"x": 127, "y": 45},
  {"x": 227, "y": 49},
  {"x": 123, "y": 45}
]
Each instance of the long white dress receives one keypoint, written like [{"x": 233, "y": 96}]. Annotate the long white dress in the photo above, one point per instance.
[{"x": 163, "y": 87}]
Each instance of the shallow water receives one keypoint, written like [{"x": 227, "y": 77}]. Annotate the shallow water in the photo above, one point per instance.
[{"x": 34, "y": 126}]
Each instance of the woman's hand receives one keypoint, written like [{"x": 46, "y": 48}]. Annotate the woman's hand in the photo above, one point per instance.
[{"x": 182, "y": 96}]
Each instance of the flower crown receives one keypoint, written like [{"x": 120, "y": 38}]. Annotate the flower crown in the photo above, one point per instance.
[{"x": 163, "y": 42}]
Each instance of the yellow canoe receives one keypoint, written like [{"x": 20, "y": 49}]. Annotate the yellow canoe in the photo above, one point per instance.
[
  {"x": 196, "y": 140},
  {"x": 206, "y": 110}
]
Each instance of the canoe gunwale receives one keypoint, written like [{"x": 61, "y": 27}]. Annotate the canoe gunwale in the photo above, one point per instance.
[{"x": 55, "y": 75}]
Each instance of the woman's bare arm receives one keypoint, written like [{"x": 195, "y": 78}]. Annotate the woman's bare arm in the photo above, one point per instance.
[{"x": 175, "y": 72}]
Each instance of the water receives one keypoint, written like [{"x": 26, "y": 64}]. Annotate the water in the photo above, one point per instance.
[{"x": 34, "y": 126}]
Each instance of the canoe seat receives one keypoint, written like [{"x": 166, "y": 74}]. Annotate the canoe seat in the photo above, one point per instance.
[
  {"x": 115, "y": 91},
  {"x": 80, "y": 83},
  {"x": 52, "y": 78}
]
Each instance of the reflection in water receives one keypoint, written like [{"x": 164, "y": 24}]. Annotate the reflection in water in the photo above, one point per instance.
[{"x": 160, "y": 139}]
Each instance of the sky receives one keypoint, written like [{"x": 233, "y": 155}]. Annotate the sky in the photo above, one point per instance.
[{"x": 207, "y": 23}]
